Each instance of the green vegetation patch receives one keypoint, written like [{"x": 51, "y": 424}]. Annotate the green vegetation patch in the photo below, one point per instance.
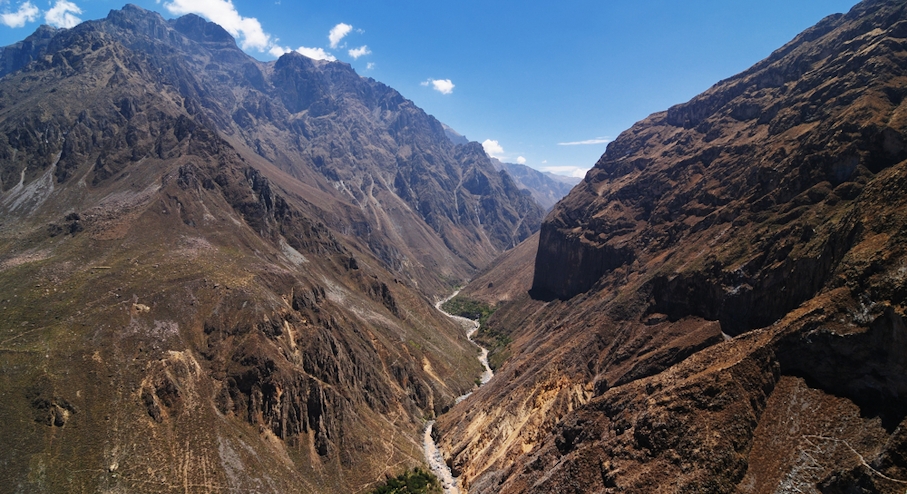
[
  {"x": 411, "y": 481},
  {"x": 468, "y": 308},
  {"x": 497, "y": 343},
  {"x": 488, "y": 336}
]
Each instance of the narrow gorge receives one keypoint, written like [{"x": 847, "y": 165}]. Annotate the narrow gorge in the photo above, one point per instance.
[{"x": 433, "y": 454}]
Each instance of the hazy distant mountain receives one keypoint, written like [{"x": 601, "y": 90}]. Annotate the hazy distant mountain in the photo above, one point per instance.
[
  {"x": 564, "y": 178},
  {"x": 719, "y": 306},
  {"x": 454, "y": 136},
  {"x": 546, "y": 188},
  {"x": 219, "y": 273}
]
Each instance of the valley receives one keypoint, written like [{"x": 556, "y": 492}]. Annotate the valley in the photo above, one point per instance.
[
  {"x": 219, "y": 274},
  {"x": 433, "y": 455}
]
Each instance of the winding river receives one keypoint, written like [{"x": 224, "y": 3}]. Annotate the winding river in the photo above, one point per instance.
[{"x": 432, "y": 453}]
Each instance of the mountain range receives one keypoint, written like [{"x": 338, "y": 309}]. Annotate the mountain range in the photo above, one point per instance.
[
  {"x": 220, "y": 274},
  {"x": 546, "y": 188}
]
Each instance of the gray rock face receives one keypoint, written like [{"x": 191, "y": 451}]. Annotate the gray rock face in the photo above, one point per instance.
[{"x": 319, "y": 122}]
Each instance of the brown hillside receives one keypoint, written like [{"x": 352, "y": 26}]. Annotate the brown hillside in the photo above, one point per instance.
[{"x": 718, "y": 306}]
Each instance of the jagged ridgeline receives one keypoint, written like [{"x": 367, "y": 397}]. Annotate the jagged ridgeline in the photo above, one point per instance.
[
  {"x": 719, "y": 306},
  {"x": 217, "y": 273}
]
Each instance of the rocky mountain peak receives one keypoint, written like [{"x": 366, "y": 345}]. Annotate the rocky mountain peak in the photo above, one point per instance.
[
  {"x": 20, "y": 54},
  {"x": 198, "y": 29},
  {"x": 138, "y": 21},
  {"x": 805, "y": 110}
]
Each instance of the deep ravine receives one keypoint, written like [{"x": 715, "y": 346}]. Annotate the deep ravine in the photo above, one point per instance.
[{"x": 432, "y": 454}]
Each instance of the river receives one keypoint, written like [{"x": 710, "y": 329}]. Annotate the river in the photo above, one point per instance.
[{"x": 432, "y": 453}]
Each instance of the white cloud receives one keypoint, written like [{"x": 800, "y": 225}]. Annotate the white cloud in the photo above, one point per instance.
[
  {"x": 277, "y": 51},
  {"x": 26, "y": 13},
  {"x": 443, "y": 86},
  {"x": 358, "y": 52},
  {"x": 370, "y": 66},
  {"x": 313, "y": 53},
  {"x": 493, "y": 148},
  {"x": 597, "y": 140},
  {"x": 62, "y": 14},
  {"x": 224, "y": 13},
  {"x": 316, "y": 53},
  {"x": 520, "y": 160},
  {"x": 338, "y": 32},
  {"x": 570, "y": 171}
]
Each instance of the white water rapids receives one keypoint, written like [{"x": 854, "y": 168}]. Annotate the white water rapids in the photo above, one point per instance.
[{"x": 432, "y": 453}]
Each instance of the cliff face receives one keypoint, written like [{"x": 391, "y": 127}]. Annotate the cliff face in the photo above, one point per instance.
[
  {"x": 815, "y": 120},
  {"x": 721, "y": 293},
  {"x": 218, "y": 274}
]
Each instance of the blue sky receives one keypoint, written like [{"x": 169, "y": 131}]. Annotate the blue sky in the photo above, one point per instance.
[{"x": 547, "y": 84}]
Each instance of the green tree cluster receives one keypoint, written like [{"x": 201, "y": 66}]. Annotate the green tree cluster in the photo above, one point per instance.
[
  {"x": 416, "y": 481},
  {"x": 468, "y": 308}
]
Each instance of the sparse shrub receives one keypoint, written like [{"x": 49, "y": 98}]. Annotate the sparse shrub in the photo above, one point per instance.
[
  {"x": 468, "y": 308},
  {"x": 416, "y": 481}
]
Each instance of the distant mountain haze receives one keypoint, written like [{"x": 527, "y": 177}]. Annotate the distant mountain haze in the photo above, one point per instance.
[{"x": 545, "y": 187}]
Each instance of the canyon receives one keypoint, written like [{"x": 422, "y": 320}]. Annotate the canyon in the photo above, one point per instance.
[
  {"x": 221, "y": 274},
  {"x": 433, "y": 455}
]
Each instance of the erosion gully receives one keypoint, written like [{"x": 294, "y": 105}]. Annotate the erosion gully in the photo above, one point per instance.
[{"x": 432, "y": 453}]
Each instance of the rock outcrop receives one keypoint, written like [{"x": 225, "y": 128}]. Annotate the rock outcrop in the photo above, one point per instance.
[{"x": 718, "y": 306}]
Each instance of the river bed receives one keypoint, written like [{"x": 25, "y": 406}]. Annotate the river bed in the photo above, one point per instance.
[{"x": 432, "y": 453}]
